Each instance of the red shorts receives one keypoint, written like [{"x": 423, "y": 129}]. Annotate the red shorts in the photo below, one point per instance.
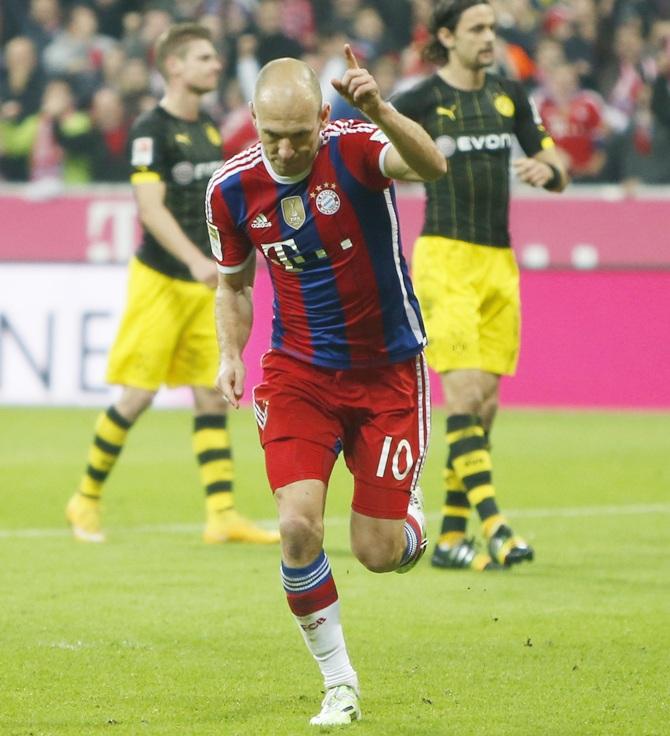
[{"x": 379, "y": 418}]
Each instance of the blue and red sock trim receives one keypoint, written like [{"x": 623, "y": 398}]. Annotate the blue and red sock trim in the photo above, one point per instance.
[
  {"x": 311, "y": 588},
  {"x": 413, "y": 535}
]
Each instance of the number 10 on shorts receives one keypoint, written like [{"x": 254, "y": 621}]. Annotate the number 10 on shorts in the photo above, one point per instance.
[{"x": 402, "y": 454}]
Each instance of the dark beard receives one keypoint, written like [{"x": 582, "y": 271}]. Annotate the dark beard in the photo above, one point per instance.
[{"x": 479, "y": 65}]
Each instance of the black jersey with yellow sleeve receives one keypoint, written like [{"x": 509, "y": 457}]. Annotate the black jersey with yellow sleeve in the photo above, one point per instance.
[
  {"x": 183, "y": 154},
  {"x": 474, "y": 130}
]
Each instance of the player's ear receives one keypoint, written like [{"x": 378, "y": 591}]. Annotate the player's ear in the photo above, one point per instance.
[
  {"x": 445, "y": 37},
  {"x": 253, "y": 114},
  {"x": 324, "y": 115},
  {"x": 172, "y": 64}
]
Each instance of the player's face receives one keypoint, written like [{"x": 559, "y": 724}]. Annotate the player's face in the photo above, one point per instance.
[
  {"x": 200, "y": 67},
  {"x": 472, "y": 42},
  {"x": 291, "y": 137}
]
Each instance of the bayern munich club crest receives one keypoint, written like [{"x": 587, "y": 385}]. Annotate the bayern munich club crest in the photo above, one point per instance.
[{"x": 326, "y": 199}]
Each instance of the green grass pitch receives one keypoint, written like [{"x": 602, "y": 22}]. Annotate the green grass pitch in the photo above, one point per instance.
[{"x": 156, "y": 633}]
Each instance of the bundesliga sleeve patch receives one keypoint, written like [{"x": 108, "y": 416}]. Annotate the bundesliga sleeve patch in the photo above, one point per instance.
[
  {"x": 380, "y": 136},
  {"x": 142, "y": 152},
  {"x": 215, "y": 241},
  {"x": 537, "y": 119}
]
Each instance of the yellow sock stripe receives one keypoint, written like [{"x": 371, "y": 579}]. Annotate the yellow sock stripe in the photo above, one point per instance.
[
  {"x": 215, "y": 471},
  {"x": 461, "y": 434},
  {"x": 109, "y": 431},
  {"x": 100, "y": 459},
  {"x": 460, "y": 511},
  {"x": 478, "y": 494},
  {"x": 491, "y": 524},
  {"x": 210, "y": 439},
  {"x": 451, "y": 480},
  {"x": 476, "y": 461},
  {"x": 90, "y": 487},
  {"x": 211, "y": 446},
  {"x": 450, "y": 538}
]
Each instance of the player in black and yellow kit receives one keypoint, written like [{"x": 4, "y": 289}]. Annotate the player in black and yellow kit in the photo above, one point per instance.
[
  {"x": 167, "y": 334},
  {"x": 464, "y": 270}
]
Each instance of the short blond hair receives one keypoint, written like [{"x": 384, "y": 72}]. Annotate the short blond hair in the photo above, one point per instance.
[{"x": 175, "y": 40}]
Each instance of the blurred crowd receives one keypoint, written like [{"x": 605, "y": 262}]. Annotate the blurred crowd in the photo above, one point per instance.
[{"x": 74, "y": 74}]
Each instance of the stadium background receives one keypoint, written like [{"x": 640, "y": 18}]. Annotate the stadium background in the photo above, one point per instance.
[{"x": 157, "y": 633}]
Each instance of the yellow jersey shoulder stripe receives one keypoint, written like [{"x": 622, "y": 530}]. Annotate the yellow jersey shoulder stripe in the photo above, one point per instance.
[{"x": 142, "y": 177}]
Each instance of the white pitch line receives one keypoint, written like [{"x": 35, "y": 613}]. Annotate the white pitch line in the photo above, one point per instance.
[
  {"x": 568, "y": 512},
  {"x": 576, "y": 511}
]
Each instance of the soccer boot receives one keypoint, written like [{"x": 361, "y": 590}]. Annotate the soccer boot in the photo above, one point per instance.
[
  {"x": 227, "y": 525},
  {"x": 508, "y": 549},
  {"x": 415, "y": 510},
  {"x": 339, "y": 707},
  {"x": 462, "y": 555},
  {"x": 83, "y": 516}
]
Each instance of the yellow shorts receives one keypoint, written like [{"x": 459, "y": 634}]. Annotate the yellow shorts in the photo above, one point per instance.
[
  {"x": 167, "y": 333},
  {"x": 469, "y": 296}
]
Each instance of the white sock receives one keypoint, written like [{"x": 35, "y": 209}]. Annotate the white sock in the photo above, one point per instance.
[{"x": 324, "y": 637}]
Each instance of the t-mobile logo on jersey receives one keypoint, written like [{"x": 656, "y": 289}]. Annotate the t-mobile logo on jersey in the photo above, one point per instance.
[{"x": 287, "y": 254}]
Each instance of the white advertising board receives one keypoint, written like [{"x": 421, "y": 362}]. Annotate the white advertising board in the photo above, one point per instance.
[{"x": 57, "y": 323}]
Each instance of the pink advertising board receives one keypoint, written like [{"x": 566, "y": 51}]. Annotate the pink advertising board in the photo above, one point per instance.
[
  {"x": 583, "y": 230},
  {"x": 598, "y": 339},
  {"x": 595, "y": 332}
]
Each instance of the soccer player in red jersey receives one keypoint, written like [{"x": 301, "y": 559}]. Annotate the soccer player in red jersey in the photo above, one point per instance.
[{"x": 345, "y": 371}]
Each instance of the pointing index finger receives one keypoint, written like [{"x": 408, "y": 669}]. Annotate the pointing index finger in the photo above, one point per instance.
[{"x": 352, "y": 62}]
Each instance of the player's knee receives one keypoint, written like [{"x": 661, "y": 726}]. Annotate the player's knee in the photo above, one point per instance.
[
  {"x": 133, "y": 402},
  {"x": 466, "y": 399},
  {"x": 302, "y": 536},
  {"x": 472, "y": 398},
  {"x": 209, "y": 401},
  {"x": 488, "y": 413}
]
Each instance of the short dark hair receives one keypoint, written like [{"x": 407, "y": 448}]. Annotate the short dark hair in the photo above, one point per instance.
[
  {"x": 175, "y": 39},
  {"x": 446, "y": 14}
]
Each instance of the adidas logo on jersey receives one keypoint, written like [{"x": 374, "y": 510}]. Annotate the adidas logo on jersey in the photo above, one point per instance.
[{"x": 260, "y": 221}]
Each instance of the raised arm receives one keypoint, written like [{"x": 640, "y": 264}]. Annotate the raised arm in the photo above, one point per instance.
[{"x": 413, "y": 155}]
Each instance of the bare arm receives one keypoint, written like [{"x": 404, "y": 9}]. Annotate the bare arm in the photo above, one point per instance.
[
  {"x": 161, "y": 223},
  {"x": 538, "y": 172},
  {"x": 234, "y": 317},
  {"x": 413, "y": 155}
]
